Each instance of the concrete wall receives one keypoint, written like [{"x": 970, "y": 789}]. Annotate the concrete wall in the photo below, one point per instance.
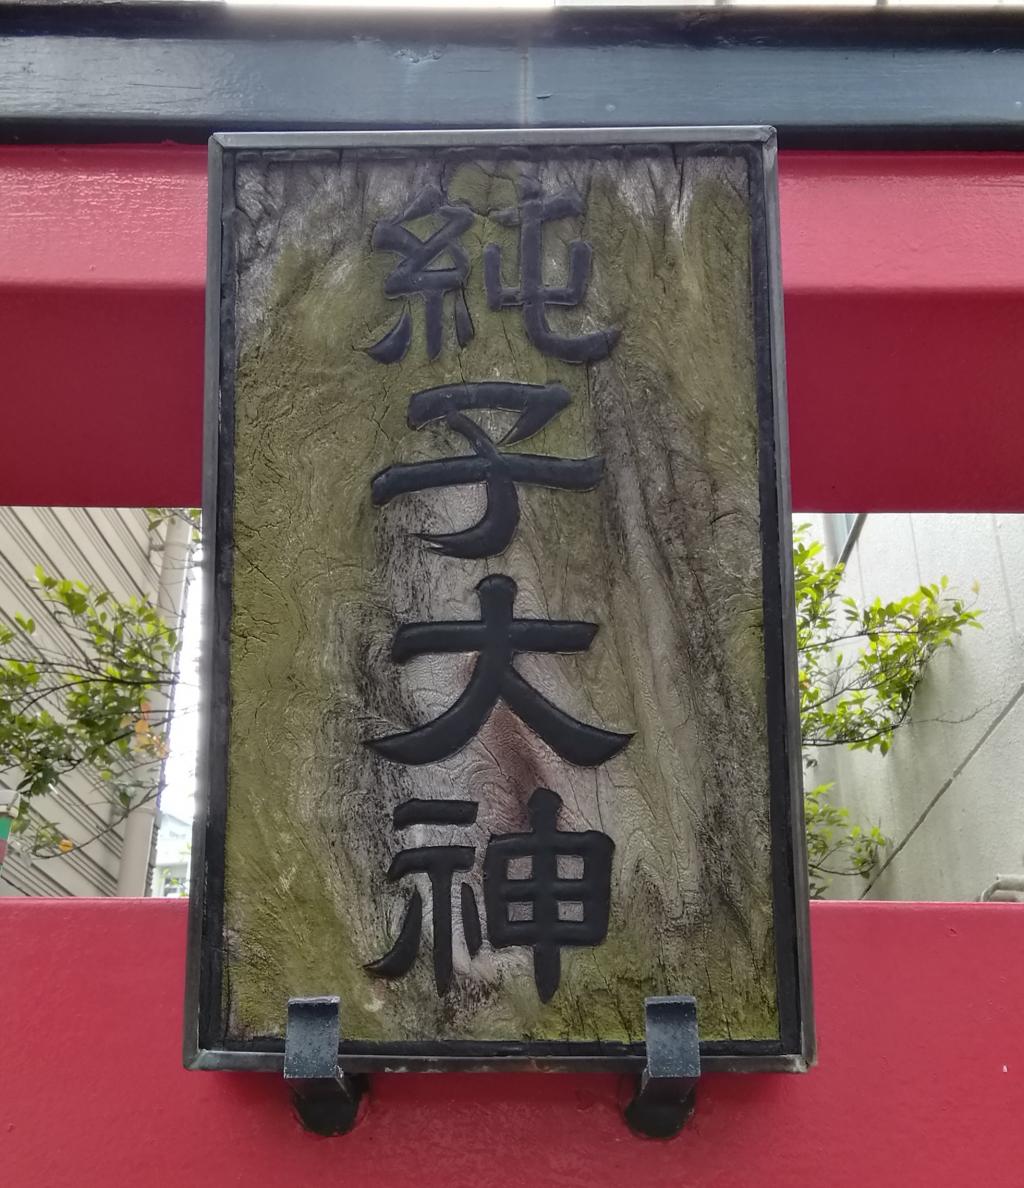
[
  {"x": 950, "y": 792},
  {"x": 111, "y": 549}
]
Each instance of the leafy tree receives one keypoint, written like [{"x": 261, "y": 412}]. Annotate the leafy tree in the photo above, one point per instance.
[
  {"x": 859, "y": 669},
  {"x": 89, "y": 708}
]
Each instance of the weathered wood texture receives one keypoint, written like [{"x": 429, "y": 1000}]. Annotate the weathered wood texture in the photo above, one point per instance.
[{"x": 665, "y": 555}]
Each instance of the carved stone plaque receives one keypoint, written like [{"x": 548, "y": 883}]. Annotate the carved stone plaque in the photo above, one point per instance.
[{"x": 500, "y": 734}]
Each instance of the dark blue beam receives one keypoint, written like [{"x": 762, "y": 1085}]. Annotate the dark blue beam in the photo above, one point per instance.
[{"x": 876, "y": 78}]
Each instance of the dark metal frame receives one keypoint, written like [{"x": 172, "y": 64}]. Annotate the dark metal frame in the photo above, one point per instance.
[
  {"x": 204, "y": 1044},
  {"x": 879, "y": 78}
]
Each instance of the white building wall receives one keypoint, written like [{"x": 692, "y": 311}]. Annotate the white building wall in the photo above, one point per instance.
[
  {"x": 170, "y": 877},
  {"x": 950, "y": 791},
  {"x": 111, "y": 549}
]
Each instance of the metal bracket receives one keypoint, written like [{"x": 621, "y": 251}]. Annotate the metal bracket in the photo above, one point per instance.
[
  {"x": 667, "y": 1092},
  {"x": 326, "y": 1099}
]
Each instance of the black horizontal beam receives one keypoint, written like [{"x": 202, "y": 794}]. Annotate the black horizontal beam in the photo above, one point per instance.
[{"x": 875, "y": 78}]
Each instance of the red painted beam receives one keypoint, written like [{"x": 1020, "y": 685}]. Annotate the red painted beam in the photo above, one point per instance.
[
  {"x": 920, "y": 1081},
  {"x": 904, "y": 288},
  {"x": 101, "y": 324},
  {"x": 904, "y": 280}
]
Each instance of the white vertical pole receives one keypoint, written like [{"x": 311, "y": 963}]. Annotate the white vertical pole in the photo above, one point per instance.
[{"x": 138, "y": 828}]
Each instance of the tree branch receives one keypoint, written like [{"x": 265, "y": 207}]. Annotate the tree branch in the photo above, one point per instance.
[{"x": 101, "y": 832}]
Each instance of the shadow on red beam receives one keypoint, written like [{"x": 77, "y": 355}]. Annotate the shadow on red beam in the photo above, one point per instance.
[
  {"x": 904, "y": 282},
  {"x": 102, "y": 396},
  {"x": 906, "y": 401}
]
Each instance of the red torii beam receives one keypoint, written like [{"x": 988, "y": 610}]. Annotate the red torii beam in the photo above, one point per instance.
[
  {"x": 904, "y": 287},
  {"x": 918, "y": 1086}
]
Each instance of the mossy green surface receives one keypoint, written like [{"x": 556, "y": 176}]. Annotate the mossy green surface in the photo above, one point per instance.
[{"x": 664, "y": 555}]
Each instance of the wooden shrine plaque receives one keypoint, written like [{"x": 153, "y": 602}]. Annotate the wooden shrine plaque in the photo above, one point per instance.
[{"x": 501, "y": 734}]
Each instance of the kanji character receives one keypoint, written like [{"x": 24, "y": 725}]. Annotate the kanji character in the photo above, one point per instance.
[
  {"x": 412, "y": 274},
  {"x": 563, "y": 901},
  {"x": 497, "y": 637},
  {"x": 533, "y": 211},
  {"x": 499, "y": 471},
  {"x": 440, "y": 864}
]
